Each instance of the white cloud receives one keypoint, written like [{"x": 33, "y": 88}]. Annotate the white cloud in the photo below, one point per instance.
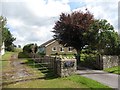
[
  {"x": 15, "y": 22},
  {"x": 32, "y": 21},
  {"x": 103, "y": 10},
  {"x": 50, "y": 9}
]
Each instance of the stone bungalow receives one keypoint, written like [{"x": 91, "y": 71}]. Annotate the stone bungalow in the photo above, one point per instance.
[{"x": 52, "y": 47}]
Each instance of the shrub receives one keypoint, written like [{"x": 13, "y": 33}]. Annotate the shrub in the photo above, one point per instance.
[
  {"x": 88, "y": 60},
  {"x": 41, "y": 54},
  {"x": 30, "y": 48},
  {"x": 23, "y": 55}
]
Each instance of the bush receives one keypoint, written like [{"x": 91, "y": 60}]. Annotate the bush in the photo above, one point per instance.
[
  {"x": 88, "y": 60},
  {"x": 41, "y": 54},
  {"x": 23, "y": 55},
  {"x": 10, "y": 48},
  {"x": 30, "y": 48}
]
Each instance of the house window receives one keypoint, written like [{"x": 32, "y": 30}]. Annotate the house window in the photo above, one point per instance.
[
  {"x": 61, "y": 49},
  {"x": 54, "y": 49},
  {"x": 41, "y": 50},
  {"x": 70, "y": 49}
]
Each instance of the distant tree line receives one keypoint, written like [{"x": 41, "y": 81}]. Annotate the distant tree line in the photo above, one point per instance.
[{"x": 30, "y": 48}]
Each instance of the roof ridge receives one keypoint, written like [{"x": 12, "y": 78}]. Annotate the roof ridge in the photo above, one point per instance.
[{"x": 46, "y": 43}]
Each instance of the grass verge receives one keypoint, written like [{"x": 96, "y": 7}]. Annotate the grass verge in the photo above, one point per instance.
[
  {"x": 74, "y": 81},
  {"x": 92, "y": 84},
  {"x": 115, "y": 70},
  {"x": 6, "y": 60}
]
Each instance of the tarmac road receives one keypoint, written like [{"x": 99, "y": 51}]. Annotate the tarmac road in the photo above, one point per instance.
[{"x": 109, "y": 79}]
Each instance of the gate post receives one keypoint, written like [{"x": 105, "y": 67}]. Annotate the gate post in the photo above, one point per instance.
[{"x": 65, "y": 67}]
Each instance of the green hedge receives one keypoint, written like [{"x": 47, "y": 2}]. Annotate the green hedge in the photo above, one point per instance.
[{"x": 23, "y": 55}]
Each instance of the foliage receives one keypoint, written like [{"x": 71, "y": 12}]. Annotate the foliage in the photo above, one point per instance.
[
  {"x": 117, "y": 48},
  {"x": 115, "y": 70},
  {"x": 88, "y": 60},
  {"x": 6, "y": 35},
  {"x": 71, "y": 29},
  {"x": 42, "y": 54},
  {"x": 103, "y": 37},
  {"x": 79, "y": 29},
  {"x": 30, "y": 48},
  {"x": 35, "y": 48},
  {"x": 19, "y": 46},
  {"x": 23, "y": 55}
]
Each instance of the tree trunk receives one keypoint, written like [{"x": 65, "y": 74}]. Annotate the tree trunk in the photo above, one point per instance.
[{"x": 78, "y": 57}]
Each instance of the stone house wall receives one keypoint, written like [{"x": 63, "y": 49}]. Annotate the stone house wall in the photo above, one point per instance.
[{"x": 49, "y": 49}]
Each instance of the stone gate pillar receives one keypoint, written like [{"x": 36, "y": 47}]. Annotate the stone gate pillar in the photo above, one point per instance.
[{"x": 65, "y": 67}]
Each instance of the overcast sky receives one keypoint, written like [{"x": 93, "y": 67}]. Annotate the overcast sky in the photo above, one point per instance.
[{"x": 31, "y": 21}]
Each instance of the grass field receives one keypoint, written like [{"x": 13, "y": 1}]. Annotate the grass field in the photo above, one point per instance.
[
  {"x": 6, "y": 60},
  {"x": 115, "y": 70},
  {"x": 7, "y": 55},
  {"x": 47, "y": 79}
]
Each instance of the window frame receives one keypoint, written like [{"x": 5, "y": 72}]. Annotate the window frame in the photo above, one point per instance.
[
  {"x": 61, "y": 48},
  {"x": 54, "y": 48},
  {"x": 70, "y": 49}
]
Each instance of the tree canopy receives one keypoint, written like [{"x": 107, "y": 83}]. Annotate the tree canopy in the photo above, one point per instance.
[
  {"x": 70, "y": 29},
  {"x": 104, "y": 39},
  {"x": 6, "y": 35},
  {"x": 30, "y": 48}
]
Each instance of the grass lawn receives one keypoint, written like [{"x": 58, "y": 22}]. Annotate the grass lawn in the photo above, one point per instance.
[
  {"x": 7, "y": 55},
  {"x": 50, "y": 83},
  {"x": 74, "y": 81},
  {"x": 18, "y": 50},
  {"x": 4, "y": 62},
  {"x": 115, "y": 70}
]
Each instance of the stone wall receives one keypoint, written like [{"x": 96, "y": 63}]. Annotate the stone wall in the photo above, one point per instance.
[
  {"x": 110, "y": 61},
  {"x": 65, "y": 67},
  {"x": 61, "y": 67},
  {"x": 105, "y": 61}
]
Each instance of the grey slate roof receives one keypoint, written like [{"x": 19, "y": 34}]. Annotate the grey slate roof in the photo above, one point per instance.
[{"x": 46, "y": 43}]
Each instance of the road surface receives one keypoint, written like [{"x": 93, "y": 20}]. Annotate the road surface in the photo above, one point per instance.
[{"x": 105, "y": 78}]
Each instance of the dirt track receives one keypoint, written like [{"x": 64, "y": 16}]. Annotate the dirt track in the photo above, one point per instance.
[{"x": 17, "y": 71}]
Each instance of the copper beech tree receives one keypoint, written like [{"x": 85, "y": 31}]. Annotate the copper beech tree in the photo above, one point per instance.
[{"x": 73, "y": 30}]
